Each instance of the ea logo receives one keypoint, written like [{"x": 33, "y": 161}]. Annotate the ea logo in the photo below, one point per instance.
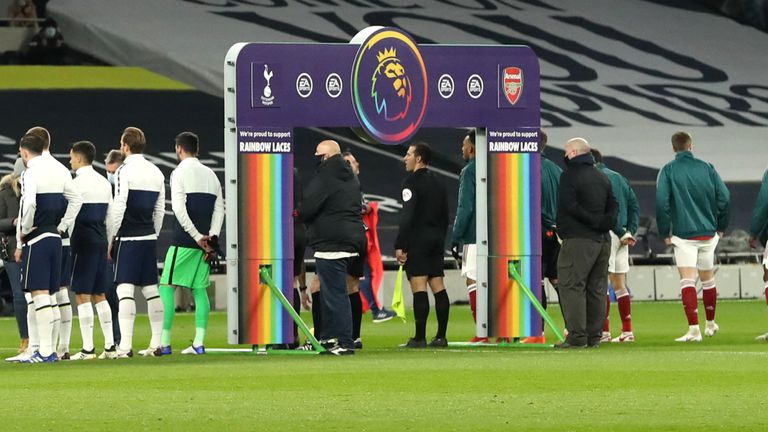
[
  {"x": 475, "y": 86},
  {"x": 304, "y": 85},
  {"x": 445, "y": 86},
  {"x": 333, "y": 85},
  {"x": 389, "y": 86}
]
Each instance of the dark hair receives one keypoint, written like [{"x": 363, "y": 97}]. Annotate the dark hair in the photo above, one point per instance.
[
  {"x": 347, "y": 152},
  {"x": 32, "y": 143},
  {"x": 542, "y": 140},
  {"x": 681, "y": 141},
  {"x": 471, "y": 136},
  {"x": 85, "y": 149},
  {"x": 41, "y": 133},
  {"x": 134, "y": 138},
  {"x": 422, "y": 150},
  {"x": 188, "y": 142},
  {"x": 114, "y": 156},
  {"x": 597, "y": 155}
]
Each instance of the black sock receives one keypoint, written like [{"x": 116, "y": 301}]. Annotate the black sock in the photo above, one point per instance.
[
  {"x": 317, "y": 314},
  {"x": 442, "y": 309},
  {"x": 420, "y": 314},
  {"x": 543, "y": 302},
  {"x": 357, "y": 314}
]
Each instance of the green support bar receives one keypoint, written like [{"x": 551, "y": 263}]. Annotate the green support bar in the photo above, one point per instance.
[
  {"x": 296, "y": 318},
  {"x": 514, "y": 274}
]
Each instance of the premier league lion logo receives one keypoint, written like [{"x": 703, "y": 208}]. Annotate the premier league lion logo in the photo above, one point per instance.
[{"x": 391, "y": 87}]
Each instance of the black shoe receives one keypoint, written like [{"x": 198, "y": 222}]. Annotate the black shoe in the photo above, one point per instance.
[
  {"x": 596, "y": 345},
  {"x": 328, "y": 344},
  {"x": 306, "y": 347},
  {"x": 338, "y": 350},
  {"x": 358, "y": 344},
  {"x": 439, "y": 343},
  {"x": 567, "y": 345},
  {"x": 414, "y": 343}
]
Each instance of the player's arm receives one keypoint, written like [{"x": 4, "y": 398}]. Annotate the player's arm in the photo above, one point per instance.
[
  {"x": 179, "y": 206},
  {"x": 218, "y": 212},
  {"x": 74, "y": 203},
  {"x": 120, "y": 202},
  {"x": 608, "y": 220},
  {"x": 633, "y": 209},
  {"x": 28, "y": 207},
  {"x": 159, "y": 213},
  {"x": 723, "y": 201},
  {"x": 760, "y": 212},
  {"x": 663, "y": 206},
  {"x": 465, "y": 208},
  {"x": 407, "y": 216}
]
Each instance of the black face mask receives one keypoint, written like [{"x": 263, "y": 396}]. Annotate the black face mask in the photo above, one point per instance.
[
  {"x": 566, "y": 160},
  {"x": 320, "y": 160}
]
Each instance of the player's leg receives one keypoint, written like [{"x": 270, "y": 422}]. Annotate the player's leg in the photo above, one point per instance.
[
  {"x": 706, "y": 267},
  {"x": 43, "y": 260},
  {"x": 686, "y": 255},
  {"x": 13, "y": 270},
  {"x": 317, "y": 308},
  {"x": 65, "y": 305},
  {"x": 81, "y": 283},
  {"x": 355, "y": 304},
  {"x": 469, "y": 271},
  {"x": 618, "y": 277},
  {"x": 199, "y": 283},
  {"x": 126, "y": 271},
  {"x": 167, "y": 290},
  {"x": 420, "y": 309},
  {"x": 442, "y": 308},
  {"x": 763, "y": 337},
  {"x": 149, "y": 289}
]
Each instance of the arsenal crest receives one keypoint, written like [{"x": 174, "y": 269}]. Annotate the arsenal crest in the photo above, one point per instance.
[{"x": 513, "y": 84}]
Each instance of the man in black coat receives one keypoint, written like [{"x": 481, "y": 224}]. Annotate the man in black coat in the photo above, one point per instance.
[
  {"x": 586, "y": 211},
  {"x": 331, "y": 209}
]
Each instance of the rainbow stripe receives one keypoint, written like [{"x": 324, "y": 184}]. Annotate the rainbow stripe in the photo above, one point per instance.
[
  {"x": 265, "y": 198},
  {"x": 514, "y": 197}
]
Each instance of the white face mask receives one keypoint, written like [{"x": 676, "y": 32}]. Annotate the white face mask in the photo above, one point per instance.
[
  {"x": 50, "y": 32},
  {"x": 111, "y": 177}
]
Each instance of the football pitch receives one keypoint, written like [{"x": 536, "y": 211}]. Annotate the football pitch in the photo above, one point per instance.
[{"x": 653, "y": 384}]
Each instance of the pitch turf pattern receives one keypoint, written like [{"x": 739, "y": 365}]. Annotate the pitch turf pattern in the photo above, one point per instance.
[{"x": 653, "y": 384}]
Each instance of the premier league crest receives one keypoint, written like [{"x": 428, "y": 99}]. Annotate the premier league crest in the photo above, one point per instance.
[
  {"x": 389, "y": 87},
  {"x": 512, "y": 83}
]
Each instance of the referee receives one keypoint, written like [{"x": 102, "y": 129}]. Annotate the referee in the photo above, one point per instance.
[{"x": 421, "y": 241}]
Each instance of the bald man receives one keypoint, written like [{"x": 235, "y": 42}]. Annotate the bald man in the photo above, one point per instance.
[
  {"x": 586, "y": 211},
  {"x": 331, "y": 209}
]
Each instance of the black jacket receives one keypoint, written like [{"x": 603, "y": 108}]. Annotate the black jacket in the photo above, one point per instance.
[
  {"x": 331, "y": 208},
  {"x": 586, "y": 206},
  {"x": 9, "y": 210},
  {"x": 424, "y": 221}
]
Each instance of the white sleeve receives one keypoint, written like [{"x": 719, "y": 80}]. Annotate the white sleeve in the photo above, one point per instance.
[
  {"x": 108, "y": 220},
  {"x": 218, "y": 212},
  {"x": 160, "y": 207},
  {"x": 74, "y": 202},
  {"x": 28, "y": 205},
  {"x": 179, "y": 205},
  {"x": 119, "y": 204}
]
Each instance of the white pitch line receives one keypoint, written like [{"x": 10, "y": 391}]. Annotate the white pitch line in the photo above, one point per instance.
[{"x": 378, "y": 151}]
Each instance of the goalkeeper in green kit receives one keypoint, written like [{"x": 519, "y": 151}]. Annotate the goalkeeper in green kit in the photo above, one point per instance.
[{"x": 199, "y": 209}]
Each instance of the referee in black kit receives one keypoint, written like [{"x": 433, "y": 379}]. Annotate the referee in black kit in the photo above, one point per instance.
[{"x": 421, "y": 241}]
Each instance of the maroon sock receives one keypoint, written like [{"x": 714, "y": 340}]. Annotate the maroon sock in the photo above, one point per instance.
[
  {"x": 766, "y": 293},
  {"x": 710, "y": 302},
  {"x": 607, "y": 323},
  {"x": 690, "y": 304},
  {"x": 473, "y": 304},
  {"x": 625, "y": 312}
]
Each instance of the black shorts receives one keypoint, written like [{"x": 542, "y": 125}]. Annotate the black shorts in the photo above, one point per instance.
[
  {"x": 299, "y": 247},
  {"x": 356, "y": 267},
  {"x": 427, "y": 260},
  {"x": 550, "y": 249}
]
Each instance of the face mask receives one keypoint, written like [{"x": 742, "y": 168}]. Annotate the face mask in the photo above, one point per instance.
[
  {"x": 320, "y": 159},
  {"x": 111, "y": 177},
  {"x": 50, "y": 32}
]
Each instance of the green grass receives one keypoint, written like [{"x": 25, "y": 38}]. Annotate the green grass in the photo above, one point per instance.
[{"x": 654, "y": 384}]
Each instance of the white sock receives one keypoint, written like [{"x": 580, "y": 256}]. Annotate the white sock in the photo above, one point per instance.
[
  {"x": 34, "y": 338},
  {"x": 44, "y": 317},
  {"x": 694, "y": 329},
  {"x": 126, "y": 315},
  {"x": 65, "y": 310},
  {"x": 105, "y": 319},
  {"x": 155, "y": 312},
  {"x": 56, "y": 329},
  {"x": 85, "y": 315}
]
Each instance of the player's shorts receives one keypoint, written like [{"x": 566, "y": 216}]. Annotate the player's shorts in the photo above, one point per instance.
[
  {"x": 698, "y": 254},
  {"x": 186, "y": 267},
  {"x": 66, "y": 266},
  {"x": 135, "y": 262},
  {"x": 765, "y": 256},
  {"x": 618, "y": 262},
  {"x": 469, "y": 262},
  {"x": 89, "y": 272},
  {"x": 41, "y": 265},
  {"x": 426, "y": 260},
  {"x": 356, "y": 267},
  {"x": 550, "y": 249}
]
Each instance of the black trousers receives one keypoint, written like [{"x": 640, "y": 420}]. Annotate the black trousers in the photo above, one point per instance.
[{"x": 583, "y": 272}]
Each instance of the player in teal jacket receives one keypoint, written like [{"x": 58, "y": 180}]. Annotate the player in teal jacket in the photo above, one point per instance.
[
  {"x": 622, "y": 238},
  {"x": 692, "y": 213},
  {"x": 758, "y": 229}
]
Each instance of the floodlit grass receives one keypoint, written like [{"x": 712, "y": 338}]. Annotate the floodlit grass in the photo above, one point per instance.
[{"x": 654, "y": 384}]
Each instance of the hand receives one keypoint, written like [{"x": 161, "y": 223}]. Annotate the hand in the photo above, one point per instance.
[
  {"x": 401, "y": 256},
  {"x": 753, "y": 243},
  {"x": 629, "y": 241},
  {"x": 203, "y": 243},
  {"x": 720, "y": 234},
  {"x": 17, "y": 255},
  {"x": 306, "y": 299},
  {"x": 15, "y": 221},
  {"x": 366, "y": 208},
  {"x": 668, "y": 241}
]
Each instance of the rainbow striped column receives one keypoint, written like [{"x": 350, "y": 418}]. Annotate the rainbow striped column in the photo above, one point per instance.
[
  {"x": 514, "y": 227},
  {"x": 265, "y": 227}
]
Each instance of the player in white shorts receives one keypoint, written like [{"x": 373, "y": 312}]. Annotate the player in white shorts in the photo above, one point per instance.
[{"x": 758, "y": 228}]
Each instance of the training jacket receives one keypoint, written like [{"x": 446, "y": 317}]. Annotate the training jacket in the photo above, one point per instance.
[
  {"x": 550, "y": 182},
  {"x": 465, "y": 223},
  {"x": 90, "y": 232},
  {"x": 691, "y": 198},
  {"x": 139, "y": 205},
  {"x": 629, "y": 210},
  {"x": 197, "y": 203},
  {"x": 760, "y": 212}
]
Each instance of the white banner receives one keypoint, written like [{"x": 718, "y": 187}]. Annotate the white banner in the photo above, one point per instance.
[{"x": 625, "y": 75}]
